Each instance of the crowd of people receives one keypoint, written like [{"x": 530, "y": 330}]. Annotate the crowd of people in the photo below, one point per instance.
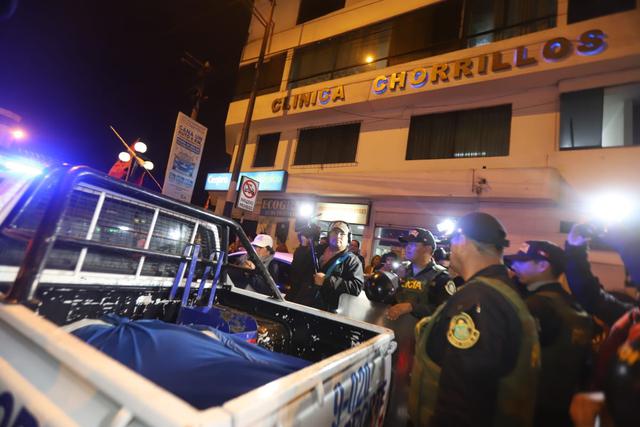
[{"x": 531, "y": 338}]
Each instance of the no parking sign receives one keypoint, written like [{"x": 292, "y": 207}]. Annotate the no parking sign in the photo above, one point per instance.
[{"x": 247, "y": 194}]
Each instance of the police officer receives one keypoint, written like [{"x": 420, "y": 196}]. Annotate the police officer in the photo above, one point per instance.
[
  {"x": 565, "y": 329},
  {"x": 477, "y": 358},
  {"x": 426, "y": 284}
]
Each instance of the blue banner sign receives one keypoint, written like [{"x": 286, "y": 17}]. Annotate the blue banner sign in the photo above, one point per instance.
[{"x": 269, "y": 181}]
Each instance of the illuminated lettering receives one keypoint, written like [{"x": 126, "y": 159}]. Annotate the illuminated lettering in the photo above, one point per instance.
[
  {"x": 276, "y": 105},
  {"x": 483, "y": 62},
  {"x": 591, "y": 43},
  {"x": 380, "y": 84},
  {"x": 338, "y": 94},
  {"x": 304, "y": 100},
  {"x": 314, "y": 97},
  {"x": 418, "y": 78},
  {"x": 462, "y": 67},
  {"x": 439, "y": 72},
  {"x": 325, "y": 96},
  {"x": 294, "y": 104},
  {"x": 556, "y": 49},
  {"x": 497, "y": 64},
  {"x": 397, "y": 80},
  {"x": 521, "y": 59}
]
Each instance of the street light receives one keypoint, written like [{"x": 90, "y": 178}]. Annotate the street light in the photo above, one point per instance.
[
  {"x": 140, "y": 147},
  {"x": 124, "y": 156},
  {"x": 123, "y": 169}
]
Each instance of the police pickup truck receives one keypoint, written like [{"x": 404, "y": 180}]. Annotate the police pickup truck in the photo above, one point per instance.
[{"x": 79, "y": 250}]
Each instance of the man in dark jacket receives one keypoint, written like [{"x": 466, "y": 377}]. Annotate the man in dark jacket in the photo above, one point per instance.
[
  {"x": 301, "y": 288},
  {"x": 565, "y": 329},
  {"x": 340, "y": 270}
]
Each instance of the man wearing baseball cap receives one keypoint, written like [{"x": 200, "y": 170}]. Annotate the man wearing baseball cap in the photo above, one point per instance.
[
  {"x": 565, "y": 330},
  {"x": 340, "y": 270},
  {"x": 477, "y": 358},
  {"x": 427, "y": 284}
]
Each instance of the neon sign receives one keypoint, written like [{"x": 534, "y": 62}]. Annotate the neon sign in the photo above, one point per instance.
[{"x": 590, "y": 42}]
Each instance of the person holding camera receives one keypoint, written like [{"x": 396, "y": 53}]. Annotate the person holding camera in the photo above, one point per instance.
[
  {"x": 301, "y": 289},
  {"x": 426, "y": 284},
  {"x": 565, "y": 329},
  {"x": 586, "y": 287},
  {"x": 617, "y": 371},
  {"x": 337, "y": 271}
]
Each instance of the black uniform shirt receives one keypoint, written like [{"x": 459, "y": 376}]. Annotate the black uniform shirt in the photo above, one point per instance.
[
  {"x": 433, "y": 291},
  {"x": 549, "y": 322},
  {"x": 469, "y": 377}
]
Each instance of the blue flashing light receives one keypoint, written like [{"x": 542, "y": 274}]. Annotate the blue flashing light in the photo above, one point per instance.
[{"x": 21, "y": 166}]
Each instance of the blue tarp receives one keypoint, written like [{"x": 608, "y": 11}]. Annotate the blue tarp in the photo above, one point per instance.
[{"x": 202, "y": 370}]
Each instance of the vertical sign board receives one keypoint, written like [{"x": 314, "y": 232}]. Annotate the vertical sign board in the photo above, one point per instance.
[
  {"x": 184, "y": 158},
  {"x": 247, "y": 194}
]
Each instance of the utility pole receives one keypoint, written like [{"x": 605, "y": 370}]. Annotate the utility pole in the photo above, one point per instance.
[
  {"x": 203, "y": 69},
  {"x": 244, "y": 135}
]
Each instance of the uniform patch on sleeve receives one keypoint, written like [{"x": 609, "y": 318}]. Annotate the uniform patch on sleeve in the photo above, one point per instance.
[
  {"x": 450, "y": 287},
  {"x": 462, "y": 331}
]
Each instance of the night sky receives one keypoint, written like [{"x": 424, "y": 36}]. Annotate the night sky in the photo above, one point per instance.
[{"x": 71, "y": 68}]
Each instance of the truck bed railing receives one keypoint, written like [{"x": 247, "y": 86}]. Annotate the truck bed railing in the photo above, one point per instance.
[{"x": 48, "y": 232}]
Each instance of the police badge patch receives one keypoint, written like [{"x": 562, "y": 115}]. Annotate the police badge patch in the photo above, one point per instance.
[
  {"x": 450, "y": 287},
  {"x": 462, "y": 331}
]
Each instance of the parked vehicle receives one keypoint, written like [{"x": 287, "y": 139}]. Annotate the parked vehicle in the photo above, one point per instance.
[{"x": 76, "y": 245}]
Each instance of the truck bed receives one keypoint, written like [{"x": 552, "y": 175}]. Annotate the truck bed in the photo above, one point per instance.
[{"x": 57, "y": 269}]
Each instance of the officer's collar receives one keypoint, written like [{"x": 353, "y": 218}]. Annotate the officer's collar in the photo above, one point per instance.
[
  {"x": 534, "y": 287},
  {"x": 429, "y": 266}
]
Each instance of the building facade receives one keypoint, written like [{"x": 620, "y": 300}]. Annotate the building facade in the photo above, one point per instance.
[{"x": 422, "y": 110}]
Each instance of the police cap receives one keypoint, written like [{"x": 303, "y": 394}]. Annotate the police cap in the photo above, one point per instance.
[{"x": 482, "y": 228}]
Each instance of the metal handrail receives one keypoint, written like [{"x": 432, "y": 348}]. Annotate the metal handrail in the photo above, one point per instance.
[{"x": 65, "y": 179}]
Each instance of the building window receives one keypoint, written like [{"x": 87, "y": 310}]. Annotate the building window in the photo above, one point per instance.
[
  {"x": 581, "y": 10},
  {"x": 312, "y": 9},
  {"x": 269, "y": 80},
  {"x": 441, "y": 27},
  {"x": 331, "y": 144},
  {"x": 601, "y": 117},
  {"x": 482, "y": 132},
  {"x": 266, "y": 150},
  {"x": 486, "y": 21},
  {"x": 354, "y": 52},
  {"x": 426, "y": 32}
]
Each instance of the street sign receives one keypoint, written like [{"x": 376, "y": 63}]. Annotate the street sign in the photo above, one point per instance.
[
  {"x": 248, "y": 194},
  {"x": 184, "y": 158}
]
